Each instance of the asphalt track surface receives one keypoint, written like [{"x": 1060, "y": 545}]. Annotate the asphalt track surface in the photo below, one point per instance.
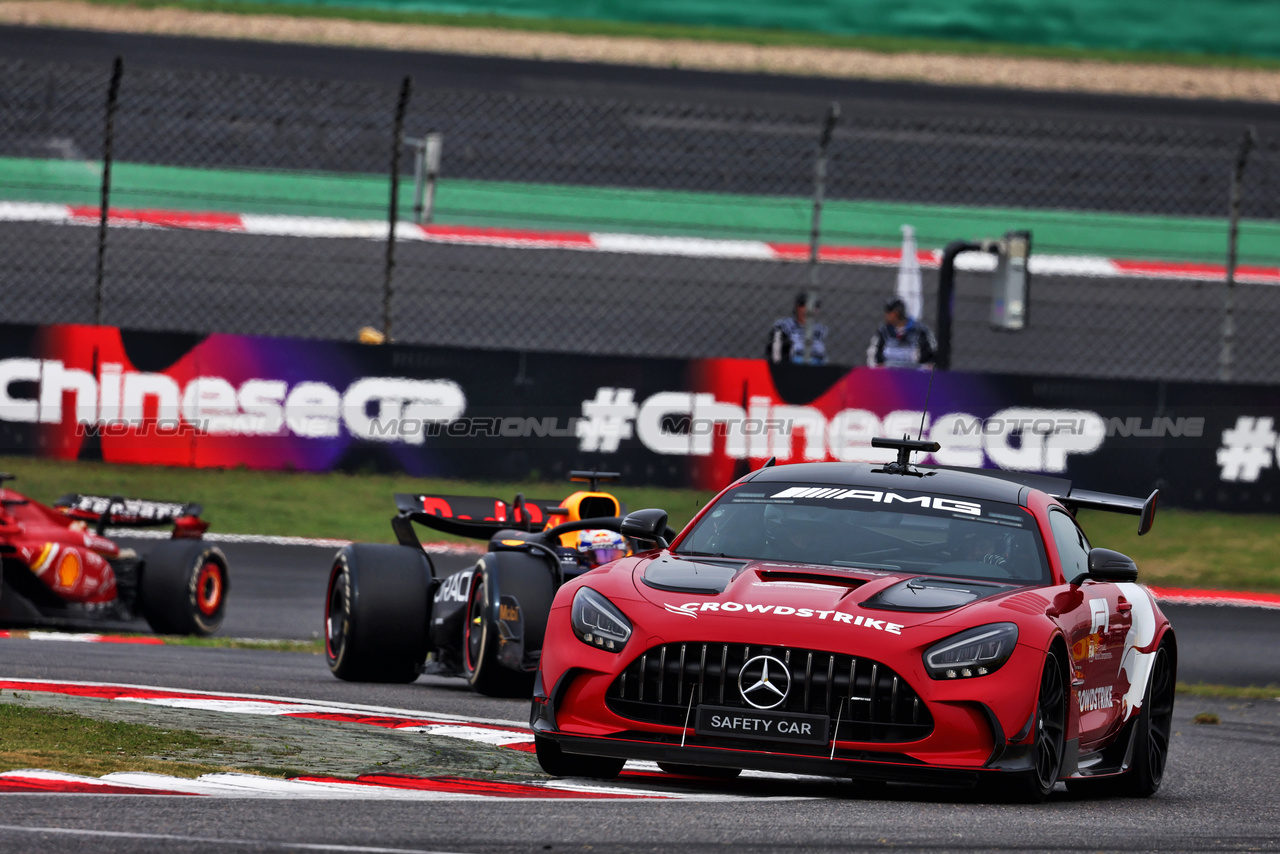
[
  {"x": 606, "y": 303},
  {"x": 1221, "y": 792},
  {"x": 277, "y": 592}
]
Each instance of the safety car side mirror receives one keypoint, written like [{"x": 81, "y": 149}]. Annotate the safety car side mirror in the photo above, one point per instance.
[
  {"x": 1108, "y": 565},
  {"x": 646, "y": 525}
]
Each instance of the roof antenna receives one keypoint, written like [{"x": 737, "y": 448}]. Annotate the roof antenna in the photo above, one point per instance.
[
  {"x": 906, "y": 446},
  {"x": 925, "y": 413}
]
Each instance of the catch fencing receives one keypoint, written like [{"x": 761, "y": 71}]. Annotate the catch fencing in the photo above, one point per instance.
[{"x": 261, "y": 205}]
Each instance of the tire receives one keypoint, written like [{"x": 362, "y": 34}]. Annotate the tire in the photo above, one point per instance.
[
  {"x": 480, "y": 641},
  {"x": 377, "y": 608},
  {"x": 557, "y": 763},
  {"x": 710, "y": 771},
  {"x": 1150, "y": 740},
  {"x": 1034, "y": 786},
  {"x": 183, "y": 588}
]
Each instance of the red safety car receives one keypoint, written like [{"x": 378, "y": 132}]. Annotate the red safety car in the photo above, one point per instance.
[
  {"x": 887, "y": 623},
  {"x": 59, "y": 566}
]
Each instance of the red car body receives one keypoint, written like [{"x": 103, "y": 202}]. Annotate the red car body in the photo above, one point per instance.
[
  {"x": 853, "y": 643},
  {"x": 58, "y": 566}
]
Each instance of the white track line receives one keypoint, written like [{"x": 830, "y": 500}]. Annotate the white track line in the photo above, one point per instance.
[
  {"x": 387, "y": 711},
  {"x": 634, "y": 244},
  {"x": 257, "y": 843}
]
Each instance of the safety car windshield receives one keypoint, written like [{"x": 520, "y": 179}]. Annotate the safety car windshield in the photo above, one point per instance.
[{"x": 896, "y": 530}]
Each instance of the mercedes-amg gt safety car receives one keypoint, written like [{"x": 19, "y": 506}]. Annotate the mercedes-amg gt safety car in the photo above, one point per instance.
[
  {"x": 388, "y": 607},
  {"x": 59, "y": 566},
  {"x": 885, "y": 623}
]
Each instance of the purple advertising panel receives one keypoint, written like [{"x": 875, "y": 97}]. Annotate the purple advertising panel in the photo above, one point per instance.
[{"x": 86, "y": 392}]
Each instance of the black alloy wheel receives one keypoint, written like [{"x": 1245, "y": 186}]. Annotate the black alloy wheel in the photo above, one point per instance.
[
  {"x": 1051, "y": 726},
  {"x": 1158, "y": 710},
  {"x": 1153, "y": 728},
  {"x": 1048, "y": 746}
]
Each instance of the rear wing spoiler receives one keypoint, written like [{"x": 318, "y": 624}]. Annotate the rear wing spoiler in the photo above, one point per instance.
[
  {"x": 1089, "y": 500},
  {"x": 102, "y": 510},
  {"x": 1077, "y": 499},
  {"x": 473, "y": 516}
]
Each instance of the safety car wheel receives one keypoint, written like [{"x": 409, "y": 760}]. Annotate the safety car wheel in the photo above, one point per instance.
[
  {"x": 557, "y": 763},
  {"x": 480, "y": 641},
  {"x": 1150, "y": 740},
  {"x": 377, "y": 607},
  {"x": 1050, "y": 727},
  {"x": 183, "y": 588},
  {"x": 712, "y": 771}
]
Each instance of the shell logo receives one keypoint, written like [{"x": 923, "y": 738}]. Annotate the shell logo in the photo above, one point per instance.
[{"x": 69, "y": 569}]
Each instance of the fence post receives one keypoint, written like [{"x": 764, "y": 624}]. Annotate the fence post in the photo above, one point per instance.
[
  {"x": 1226, "y": 356},
  {"x": 397, "y": 142},
  {"x": 108, "y": 142},
  {"x": 815, "y": 226}
]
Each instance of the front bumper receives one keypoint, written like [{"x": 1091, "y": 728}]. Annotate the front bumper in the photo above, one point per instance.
[
  {"x": 868, "y": 767},
  {"x": 967, "y": 741}
]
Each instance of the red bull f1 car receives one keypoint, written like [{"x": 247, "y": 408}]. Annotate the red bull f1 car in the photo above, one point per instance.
[
  {"x": 59, "y": 566},
  {"x": 388, "y": 608},
  {"x": 891, "y": 623}
]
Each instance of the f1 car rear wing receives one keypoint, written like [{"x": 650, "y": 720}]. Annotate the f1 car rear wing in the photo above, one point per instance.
[
  {"x": 1076, "y": 499},
  {"x": 134, "y": 513},
  {"x": 474, "y": 516}
]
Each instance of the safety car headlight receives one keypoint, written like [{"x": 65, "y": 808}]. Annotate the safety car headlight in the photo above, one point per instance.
[
  {"x": 974, "y": 652},
  {"x": 597, "y": 622}
]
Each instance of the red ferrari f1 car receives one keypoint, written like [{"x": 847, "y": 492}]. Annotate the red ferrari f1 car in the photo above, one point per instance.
[
  {"x": 60, "y": 566},
  {"x": 891, "y": 623},
  {"x": 388, "y": 607}
]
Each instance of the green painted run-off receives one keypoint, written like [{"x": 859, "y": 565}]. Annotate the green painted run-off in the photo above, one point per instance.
[{"x": 571, "y": 208}]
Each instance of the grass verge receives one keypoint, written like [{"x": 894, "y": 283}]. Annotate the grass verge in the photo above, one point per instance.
[
  {"x": 314, "y": 647},
  {"x": 731, "y": 35},
  {"x": 1230, "y": 692},
  {"x": 1186, "y": 548},
  {"x": 301, "y": 504},
  {"x": 61, "y": 741},
  {"x": 1222, "y": 551}
]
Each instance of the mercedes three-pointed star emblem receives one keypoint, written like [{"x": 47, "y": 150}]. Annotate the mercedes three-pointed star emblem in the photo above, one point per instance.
[{"x": 764, "y": 682}]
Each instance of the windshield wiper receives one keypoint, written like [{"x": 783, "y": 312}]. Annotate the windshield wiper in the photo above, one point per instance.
[{"x": 707, "y": 554}]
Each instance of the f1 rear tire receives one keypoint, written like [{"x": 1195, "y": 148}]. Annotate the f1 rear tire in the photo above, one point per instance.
[
  {"x": 377, "y": 608},
  {"x": 557, "y": 763},
  {"x": 480, "y": 640},
  {"x": 183, "y": 588}
]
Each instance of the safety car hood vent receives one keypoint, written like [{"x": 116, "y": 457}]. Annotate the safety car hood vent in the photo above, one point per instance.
[
  {"x": 675, "y": 580},
  {"x": 679, "y": 575},
  {"x": 925, "y": 594}
]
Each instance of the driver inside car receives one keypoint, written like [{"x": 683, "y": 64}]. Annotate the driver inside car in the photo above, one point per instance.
[
  {"x": 980, "y": 545},
  {"x": 597, "y": 547}
]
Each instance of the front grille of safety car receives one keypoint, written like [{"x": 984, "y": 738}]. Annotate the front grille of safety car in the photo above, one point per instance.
[{"x": 870, "y": 702}]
